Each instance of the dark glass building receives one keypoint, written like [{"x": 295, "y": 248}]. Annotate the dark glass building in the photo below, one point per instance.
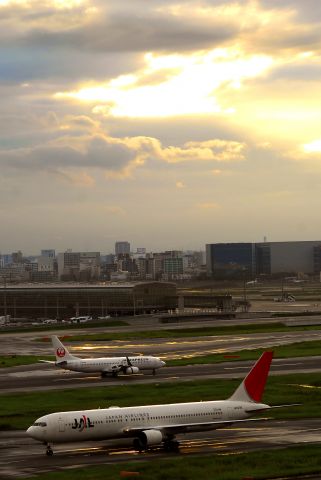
[
  {"x": 269, "y": 258},
  {"x": 230, "y": 259}
]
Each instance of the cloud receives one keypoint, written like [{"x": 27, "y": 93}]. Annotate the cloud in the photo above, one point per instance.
[
  {"x": 208, "y": 151},
  {"x": 78, "y": 148},
  {"x": 169, "y": 113},
  {"x": 69, "y": 152},
  {"x": 81, "y": 179},
  {"x": 84, "y": 27}
]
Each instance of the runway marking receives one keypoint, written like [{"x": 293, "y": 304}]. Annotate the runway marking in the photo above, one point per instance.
[
  {"x": 236, "y": 368},
  {"x": 289, "y": 364},
  {"x": 32, "y": 373},
  {"x": 304, "y": 386}
]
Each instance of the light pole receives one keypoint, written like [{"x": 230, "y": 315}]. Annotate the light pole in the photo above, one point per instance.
[
  {"x": 5, "y": 295},
  {"x": 244, "y": 284}
]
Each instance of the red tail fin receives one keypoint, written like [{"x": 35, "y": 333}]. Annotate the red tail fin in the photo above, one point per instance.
[{"x": 252, "y": 387}]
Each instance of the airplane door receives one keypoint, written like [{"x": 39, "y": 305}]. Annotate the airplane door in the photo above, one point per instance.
[{"x": 61, "y": 424}]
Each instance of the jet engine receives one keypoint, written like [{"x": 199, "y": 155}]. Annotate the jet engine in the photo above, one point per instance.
[
  {"x": 131, "y": 370},
  {"x": 148, "y": 438}
]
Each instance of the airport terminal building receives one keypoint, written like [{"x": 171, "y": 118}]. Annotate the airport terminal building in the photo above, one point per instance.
[
  {"x": 267, "y": 258},
  {"x": 65, "y": 301}
]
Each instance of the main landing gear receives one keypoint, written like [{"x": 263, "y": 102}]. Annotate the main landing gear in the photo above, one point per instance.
[
  {"x": 139, "y": 445},
  {"x": 171, "y": 445}
]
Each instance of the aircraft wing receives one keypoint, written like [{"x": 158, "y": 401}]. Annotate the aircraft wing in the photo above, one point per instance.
[
  {"x": 112, "y": 368},
  {"x": 185, "y": 427},
  {"x": 121, "y": 367}
]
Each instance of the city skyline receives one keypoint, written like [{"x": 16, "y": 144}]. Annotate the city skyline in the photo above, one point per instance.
[{"x": 171, "y": 124}]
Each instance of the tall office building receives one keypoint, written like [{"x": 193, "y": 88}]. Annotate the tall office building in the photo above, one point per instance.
[
  {"x": 122, "y": 248},
  {"x": 230, "y": 259},
  {"x": 79, "y": 266},
  {"x": 48, "y": 253}
]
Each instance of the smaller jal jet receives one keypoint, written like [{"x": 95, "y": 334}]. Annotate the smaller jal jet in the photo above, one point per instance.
[{"x": 104, "y": 365}]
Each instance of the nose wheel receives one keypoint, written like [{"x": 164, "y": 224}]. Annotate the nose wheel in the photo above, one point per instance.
[{"x": 49, "y": 451}]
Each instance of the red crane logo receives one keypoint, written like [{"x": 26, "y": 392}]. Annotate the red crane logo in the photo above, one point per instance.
[{"x": 60, "y": 352}]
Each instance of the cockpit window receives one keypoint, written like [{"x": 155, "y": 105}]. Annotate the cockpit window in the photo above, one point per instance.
[{"x": 40, "y": 424}]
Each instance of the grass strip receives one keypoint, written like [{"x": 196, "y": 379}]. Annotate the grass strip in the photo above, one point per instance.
[
  {"x": 192, "y": 332},
  {"x": 18, "y": 411},
  {"x": 296, "y": 349},
  {"x": 259, "y": 465},
  {"x": 65, "y": 326},
  {"x": 18, "y": 360}
]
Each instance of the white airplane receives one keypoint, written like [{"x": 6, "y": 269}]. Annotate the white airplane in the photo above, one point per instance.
[
  {"x": 156, "y": 424},
  {"x": 104, "y": 365}
]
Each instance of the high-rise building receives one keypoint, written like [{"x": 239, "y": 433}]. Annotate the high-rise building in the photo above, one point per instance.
[
  {"x": 122, "y": 248},
  {"x": 83, "y": 266},
  {"x": 48, "y": 253},
  {"x": 226, "y": 259},
  {"x": 17, "y": 257}
]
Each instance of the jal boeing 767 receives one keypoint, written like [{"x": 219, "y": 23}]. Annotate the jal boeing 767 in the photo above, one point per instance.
[
  {"x": 156, "y": 424},
  {"x": 105, "y": 365}
]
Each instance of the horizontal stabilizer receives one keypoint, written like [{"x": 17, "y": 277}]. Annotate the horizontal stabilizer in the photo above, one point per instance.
[
  {"x": 47, "y": 361},
  {"x": 269, "y": 407}
]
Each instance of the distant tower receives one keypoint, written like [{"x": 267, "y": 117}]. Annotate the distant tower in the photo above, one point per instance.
[
  {"x": 122, "y": 248},
  {"x": 48, "y": 253}
]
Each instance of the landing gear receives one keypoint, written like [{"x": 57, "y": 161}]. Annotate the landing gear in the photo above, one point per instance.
[
  {"x": 138, "y": 445},
  {"x": 154, "y": 371},
  {"x": 114, "y": 374},
  {"x": 171, "y": 445},
  {"x": 49, "y": 451}
]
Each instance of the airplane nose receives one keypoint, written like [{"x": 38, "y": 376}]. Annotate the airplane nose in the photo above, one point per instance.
[
  {"x": 162, "y": 363},
  {"x": 30, "y": 431},
  {"x": 35, "y": 433}
]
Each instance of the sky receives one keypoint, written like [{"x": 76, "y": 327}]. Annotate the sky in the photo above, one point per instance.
[{"x": 168, "y": 124}]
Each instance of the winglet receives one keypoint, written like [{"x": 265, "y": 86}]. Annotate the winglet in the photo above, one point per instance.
[{"x": 252, "y": 387}]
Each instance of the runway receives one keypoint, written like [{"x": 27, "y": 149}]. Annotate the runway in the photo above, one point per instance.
[
  {"x": 22, "y": 456},
  {"x": 39, "y": 377},
  {"x": 166, "y": 348}
]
